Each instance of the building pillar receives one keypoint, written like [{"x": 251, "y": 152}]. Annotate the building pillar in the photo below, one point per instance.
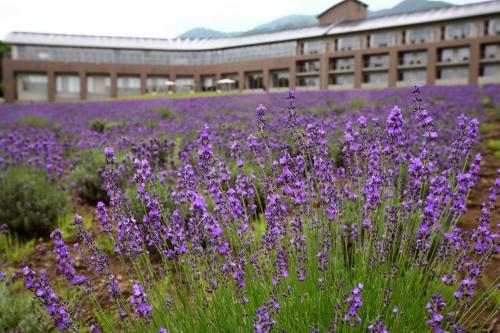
[
  {"x": 114, "y": 84},
  {"x": 393, "y": 68},
  {"x": 217, "y": 77},
  {"x": 173, "y": 79},
  {"x": 241, "y": 76},
  {"x": 293, "y": 74},
  {"x": 323, "y": 74},
  {"x": 474, "y": 59},
  {"x": 358, "y": 70},
  {"x": 83, "y": 85},
  {"x": 431, "y": 64},
  {"x": 51, "y": 85},
  {"x": 265, "y": 79},
  {"x": 9, "y": 81},
  {"x": 144, "y": 80},
  {"x": 197, "y": 82}
]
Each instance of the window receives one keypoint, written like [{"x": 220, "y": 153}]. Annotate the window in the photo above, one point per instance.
[
  {"x": 184, "y": 84},
  {"x": 494, "y": 27},
  {"x": 308, "y": 66},
  {"x": 349, "y": 43},
  {"x": 309, "y": 81},
  {"x": 127, "y": 56},
  {"x": 280, "y": 78},
  {"x": 342, "y": 64},
  {"x": 413, "y": 76},
  {"x": 156, "y": 84},
  {"x": 67, "y": 84},
  {"x": 413, "y": 58},
  {"x": 253, "y": 80},
  {"x": 130, "y": 85},
  {"x": 453, "y": 73},
  {"x": 130, "y": 57},
  {"x": 208, "y": 83},
  {"x": 232, "y": 76},
  {"x": 457, "y": 54},
  {"x": 491, "y": 51},
  {"x": 342, "y": 79},
  {"x": 490, "y": 70},
  {"x": 99, "y": 85},
  {"x": 381, "y": 78},
  {"x": 377, "y": 60},
  {"x": 34, "y": 82},
  {"x": 383, "y": 39},
  {"x": 460, "y": 31},
  {"x": 314, "y": 47},
  {"x": 421, "y": 35},
  {"x": 32, "y": 87}
]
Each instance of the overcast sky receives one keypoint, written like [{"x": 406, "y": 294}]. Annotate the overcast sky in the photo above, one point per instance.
[{"x": 150, "y": 18}]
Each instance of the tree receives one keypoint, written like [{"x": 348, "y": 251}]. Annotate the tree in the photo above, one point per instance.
[{"x": 4, "y": 51}]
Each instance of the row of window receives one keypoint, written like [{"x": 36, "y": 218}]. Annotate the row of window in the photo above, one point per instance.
[
  {"x": 418, "y": 58},
  {"x": 100, "y": 85},
  {"x": 454, "y": 31},
  {"x": 89, "y": 55}
]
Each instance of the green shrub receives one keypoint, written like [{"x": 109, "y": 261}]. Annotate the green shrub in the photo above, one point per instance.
[
  {"x": 87, "y": 181},
  {"x": 100, "y": 125},
  {"x": 38, "y": 122},
  {"x": 151, "y": 123},
  {"x": 18, "y": 313},
  {"x": 487, "y": 102},
  {"x": 97, "y": 125},
  {"x": 357, "y": 103},
  {"x": 165, "y": 113},
  {"x": 29, "y": 204},
  {"x": 112, "y": 124}
]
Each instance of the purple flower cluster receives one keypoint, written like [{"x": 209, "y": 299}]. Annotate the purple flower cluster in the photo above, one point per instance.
[
  {"x": 139, "y": 303},
  {"x": 66, "y": 265},
  {"x": 60, "y": 312},
  {"x": 354, "y": 302}
]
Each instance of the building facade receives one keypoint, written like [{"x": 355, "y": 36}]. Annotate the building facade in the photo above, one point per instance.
[{"x": 445, "y": 46}]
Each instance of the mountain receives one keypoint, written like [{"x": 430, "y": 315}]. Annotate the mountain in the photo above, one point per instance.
[
  {"x": 408, "y": 6},
  {"x": 284, "y": 23},
  {"x": 302, "y": 21},
  {"x": 203, "y": 33}
]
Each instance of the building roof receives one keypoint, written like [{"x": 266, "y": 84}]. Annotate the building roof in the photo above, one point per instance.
[
  {"x": 340, "y": 2},
  {"x": 176, "y": 44},
  {"x": 418, "y": 17}
]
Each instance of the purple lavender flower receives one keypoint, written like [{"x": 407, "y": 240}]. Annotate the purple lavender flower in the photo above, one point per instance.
[
  {"x": 139, "y": 303},
  {"x": 60, "y": 312},
  {"x": 434, "y": 308},
  {"x": 378, "y": 327},
  {"x": 66, "y": 264},
  {"x": 263, "y": 322},
  {"x": 95, "y": 328},
  {"x": 354, "y": 301},
  {"x": 261, "y": 112}
]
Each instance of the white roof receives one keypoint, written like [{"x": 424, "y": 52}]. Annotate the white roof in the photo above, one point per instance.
[
  {"x": 419, "y": 17},
  {"x": 432, "y": 15}
]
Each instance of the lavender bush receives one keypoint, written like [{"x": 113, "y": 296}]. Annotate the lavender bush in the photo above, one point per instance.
[{"x": 299, "y": 221}]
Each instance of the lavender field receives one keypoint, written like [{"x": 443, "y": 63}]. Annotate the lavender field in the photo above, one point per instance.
[{"x": 349, "y": 211}]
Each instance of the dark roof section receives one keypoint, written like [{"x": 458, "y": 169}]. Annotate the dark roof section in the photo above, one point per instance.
[{"x": 332, "y": 7}]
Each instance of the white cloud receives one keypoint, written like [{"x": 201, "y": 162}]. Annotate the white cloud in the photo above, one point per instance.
[{"x": 150, "y": 18}]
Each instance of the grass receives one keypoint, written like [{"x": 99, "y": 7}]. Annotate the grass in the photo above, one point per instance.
[
  {"x": 357, "y": 103},
  {"x": 38, "y": 122},
  {"x": 15, "y": 250},
  {"x": 179, "y": 95},
  {"x": 495, "y": 146}
]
